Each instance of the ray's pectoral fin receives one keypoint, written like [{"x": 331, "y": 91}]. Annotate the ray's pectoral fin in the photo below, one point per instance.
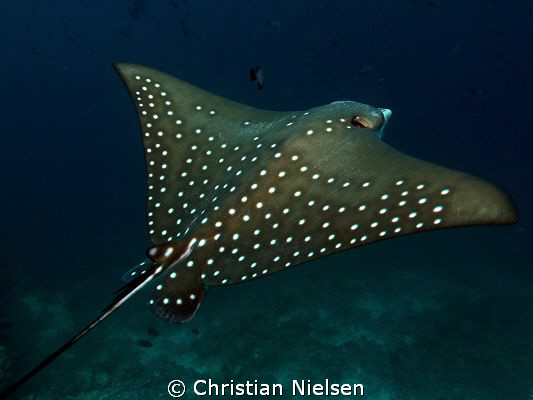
[
  {"x": 180, "y": 292},
  {"x": 190, "y": 138}
]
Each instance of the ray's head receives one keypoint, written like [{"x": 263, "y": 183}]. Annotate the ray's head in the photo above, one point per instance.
[
  {"x": 391, "y": 190},
  {"x": 358, "y": 115}
]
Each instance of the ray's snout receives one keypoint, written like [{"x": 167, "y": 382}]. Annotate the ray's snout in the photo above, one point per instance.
[
  {"x": 386, "y": 114},
  {"x": 386, "y": 117}
]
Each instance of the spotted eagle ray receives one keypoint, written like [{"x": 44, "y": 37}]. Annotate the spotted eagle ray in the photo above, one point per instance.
[{"x": 235, "y": 193}]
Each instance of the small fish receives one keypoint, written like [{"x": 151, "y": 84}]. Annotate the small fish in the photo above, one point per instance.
[
  {"x": 430, "y": 4},
  {"x": 152, "y": 332},
  {"x": 186, "y": 30},
  {"x": 5, "y": 325},
  {"x": 144, "y": 343},
  {"x": 275, "y": 23},
  {"x": 136, "y": 8},
  {"x": 365, "y": 70},
  {"x": 257, "y": 76},
  {"x": 235, "y": 193}
]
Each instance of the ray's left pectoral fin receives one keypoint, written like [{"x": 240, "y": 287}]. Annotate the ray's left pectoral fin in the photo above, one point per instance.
[
  {"x": 361, "y": 190},
  {"x": 471, "y": 201},
  {"x": 428, "y": 196}
]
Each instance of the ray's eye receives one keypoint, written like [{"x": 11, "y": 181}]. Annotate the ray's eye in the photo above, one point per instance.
[{"x": 360, "y": 122}]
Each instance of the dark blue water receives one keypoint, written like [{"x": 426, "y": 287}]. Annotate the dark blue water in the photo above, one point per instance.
[{"x": 443, "y": 315}]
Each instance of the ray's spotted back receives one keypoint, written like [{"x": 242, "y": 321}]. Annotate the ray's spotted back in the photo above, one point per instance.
[{"x": 259, "y": 191}]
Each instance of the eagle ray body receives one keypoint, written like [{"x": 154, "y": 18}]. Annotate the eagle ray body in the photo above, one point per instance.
[
  {"x": 235, "y": 193},
  {"x": 260, "y": 191}
]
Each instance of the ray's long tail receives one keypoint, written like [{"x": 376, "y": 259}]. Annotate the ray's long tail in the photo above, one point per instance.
[
  {"x": 121, "y": 296},
  {"x": 164, "y": 258}
]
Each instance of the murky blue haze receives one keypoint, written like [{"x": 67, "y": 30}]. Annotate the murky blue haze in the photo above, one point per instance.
[{"x": 441, "y": 315}]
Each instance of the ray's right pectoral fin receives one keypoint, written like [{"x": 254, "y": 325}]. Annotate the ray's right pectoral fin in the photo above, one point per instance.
[
  {"x": 178, "y": 295},
  {"x": 180, "y": 125}
]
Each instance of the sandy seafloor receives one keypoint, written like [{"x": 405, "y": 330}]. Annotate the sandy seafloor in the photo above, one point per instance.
[{"x": 436, "y": 316}]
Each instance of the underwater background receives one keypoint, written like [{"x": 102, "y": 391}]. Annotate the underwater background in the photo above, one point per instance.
[{"x": 443, "y": 315}]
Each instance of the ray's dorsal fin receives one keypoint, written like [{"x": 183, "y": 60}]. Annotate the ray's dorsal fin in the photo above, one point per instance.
[{"x": 190, "y": 138}]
